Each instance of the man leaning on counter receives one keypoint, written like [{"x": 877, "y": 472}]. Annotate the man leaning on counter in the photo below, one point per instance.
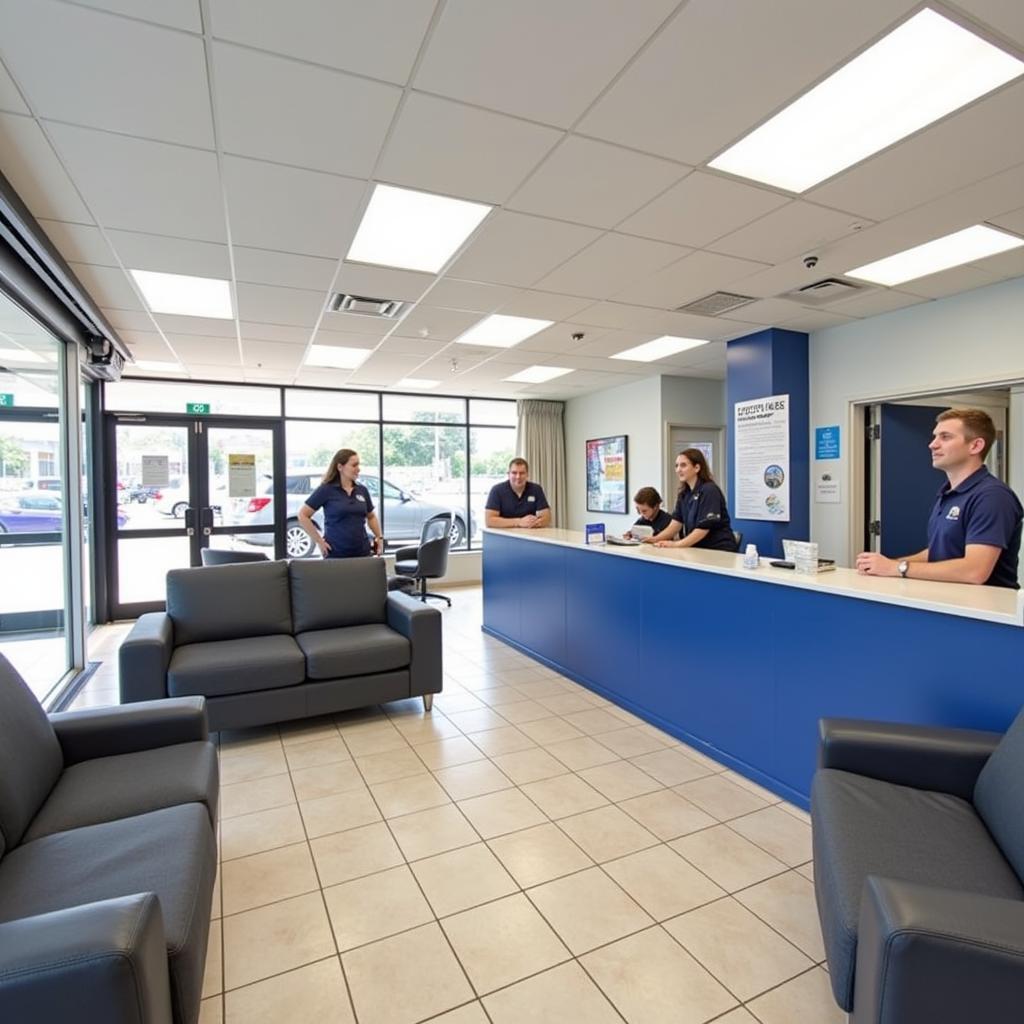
[
  {"x": 974, "y": 530},
  {"x": 517, "y": 501}
]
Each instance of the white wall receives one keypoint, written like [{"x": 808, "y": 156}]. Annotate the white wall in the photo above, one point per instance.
[{"x": 975, "y": 338}]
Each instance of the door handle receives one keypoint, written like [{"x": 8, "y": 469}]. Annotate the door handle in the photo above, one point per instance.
[
  {"x": 190, "y": 522},
  {"x": 206, "y": 520}
]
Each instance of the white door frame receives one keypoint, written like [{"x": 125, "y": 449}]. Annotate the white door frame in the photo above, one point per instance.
[{"x": 721, "y": 471}]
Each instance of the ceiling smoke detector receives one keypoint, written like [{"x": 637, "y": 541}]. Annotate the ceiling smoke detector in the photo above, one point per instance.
[{"x": 362, "y": 305}]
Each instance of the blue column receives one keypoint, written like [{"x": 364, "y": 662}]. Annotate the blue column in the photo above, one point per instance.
[{"x": 773, "y": 362}]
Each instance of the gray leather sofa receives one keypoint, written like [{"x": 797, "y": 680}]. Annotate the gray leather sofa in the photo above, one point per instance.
[
  {"x": 107, "y": 860},
  {"x": 272, "y": 641},
  {"x": 918, "y": 869}
]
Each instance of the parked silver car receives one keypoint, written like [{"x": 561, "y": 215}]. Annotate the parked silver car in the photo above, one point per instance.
[{"x": 403, "y": 513}]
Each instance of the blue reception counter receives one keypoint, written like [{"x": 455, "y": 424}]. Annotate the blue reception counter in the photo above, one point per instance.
[{"x": 741, "y": 664}]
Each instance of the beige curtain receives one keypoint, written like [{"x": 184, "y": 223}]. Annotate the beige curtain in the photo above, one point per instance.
[{"x": 540, "y": 439}]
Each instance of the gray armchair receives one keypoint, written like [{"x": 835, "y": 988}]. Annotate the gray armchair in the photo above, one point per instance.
[
  {"x": 918, "y": 869},
  {"x": 428, "y": 560},
  {"x": 227, "y": 556}
]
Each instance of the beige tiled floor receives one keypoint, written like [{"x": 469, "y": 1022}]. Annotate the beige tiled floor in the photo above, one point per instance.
[{"x": 526, "y": 853}]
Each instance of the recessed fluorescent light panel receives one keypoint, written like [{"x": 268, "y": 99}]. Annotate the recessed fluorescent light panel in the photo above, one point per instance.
[
  {"x": 497, "y": 331},
  {"x": 336, "y": 356},
  {"x": 157, "y": 364},
  {"x": 950, "y": 251},
  {"x": 418, "y": 383},
  {"x": 538, "y": 374},
  {"x": 660, "y": 348},
  {"x": 413, "y": 230},
  {"x": 923, "y": 70},
  {"x": 184, "y": 295}
]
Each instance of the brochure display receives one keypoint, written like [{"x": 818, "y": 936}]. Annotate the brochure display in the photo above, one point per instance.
[
  {"x": 607, "y": 489},
  {"x": 761, "y": 428}
]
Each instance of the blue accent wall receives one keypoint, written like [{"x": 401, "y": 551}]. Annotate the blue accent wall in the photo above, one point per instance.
[{"x": 773, "y": 362}]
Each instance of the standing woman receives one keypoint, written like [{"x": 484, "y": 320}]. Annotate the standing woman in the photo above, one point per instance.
[
  {"x": 700, "y": 509},
  {"x": 348, "y": 511}
]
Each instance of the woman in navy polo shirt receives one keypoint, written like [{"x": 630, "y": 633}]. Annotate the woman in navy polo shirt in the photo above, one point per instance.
[
  {"x": 348, "y": 511},
  {"x": 700, "y": 509},
  {"x": 648, "y": 507}
]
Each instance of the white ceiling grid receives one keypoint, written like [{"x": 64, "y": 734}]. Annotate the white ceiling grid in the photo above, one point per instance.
[{"x": 240, "y": 139}]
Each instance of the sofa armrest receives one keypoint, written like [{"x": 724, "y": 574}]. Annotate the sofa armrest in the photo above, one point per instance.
[
  {"x": 937, "y": 956},
  {"x": 97, "y": 962},
  {"x": 104, "y": 732},
  {"x": 925, "y": 757},
  {"x": 144, "y": 657},
  {"x": 421, "y": 626}
]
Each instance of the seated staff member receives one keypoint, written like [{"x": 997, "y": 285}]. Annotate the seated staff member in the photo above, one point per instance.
[
  {"x": 648, "y": 508},
  {"x": 517, "y": 502},
  {"x": 700, "y": 508},
  {"x": 975, "y": 526},
  {"x": 348, "y": 511}
]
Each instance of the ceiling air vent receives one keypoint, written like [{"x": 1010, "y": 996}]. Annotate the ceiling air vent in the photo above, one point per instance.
[
  {"x": 716, "y": 304},
  {"x": 361, "y": 305},
  {"x": 831, "y": 289}
]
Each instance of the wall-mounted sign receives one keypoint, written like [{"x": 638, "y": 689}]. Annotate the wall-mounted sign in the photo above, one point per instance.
[
  {"x": 156, "y": 471},
  {"x": 197, "y": 408},
  {"x": 826, "y": 442},
  {"x": 826, "y": 486},
  {"x": 6, "y": 401},
  {"x": 761, "y": 430},
  {"x": 606, "y": 475},
  {"x": 241, "y": 475}
]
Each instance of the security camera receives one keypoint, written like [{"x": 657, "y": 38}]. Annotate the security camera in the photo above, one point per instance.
[
  {"x": 810, "y": 261},
  {"x": 578, "y": 336}
]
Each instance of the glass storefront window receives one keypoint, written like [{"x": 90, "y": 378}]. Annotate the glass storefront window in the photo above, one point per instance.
[
  {"x": 490, "y": 450},
  {"x": 331, "y": 405},
  {"x": 177, "y": 396},
  {"x": 492, "y": 412},
  {"x": 423, "y": 409}
]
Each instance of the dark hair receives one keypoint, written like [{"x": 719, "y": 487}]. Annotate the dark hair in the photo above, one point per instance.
[
  {"x": 647, "y": 496},
  {"x": 519, "y": 461},
  {"x": 977, "y": 423},
  {"x": 340, "y": 457},
  {"x": 696, "y": 456}
]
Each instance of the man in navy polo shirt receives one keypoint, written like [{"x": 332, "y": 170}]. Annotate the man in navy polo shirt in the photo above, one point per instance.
[
  {"x": 517, "y": 502},
  {"x": 975, "y": 527}
]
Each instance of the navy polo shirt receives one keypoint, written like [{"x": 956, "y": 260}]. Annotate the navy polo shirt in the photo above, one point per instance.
[
  {"x": 509, "y": 505},
  {"x": 704, "y": 509},
  {"x": 344, "y": 518},
  {"x": 662, "y": 521},
  {"x": 981, "y": 510}
]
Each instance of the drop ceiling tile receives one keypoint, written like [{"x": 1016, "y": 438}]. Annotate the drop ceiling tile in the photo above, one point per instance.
[
  {"x": 701, "y": 208},
  {"x": 609, "y": 265},
  {"x": 133, "y": 337},
  {"x": 144, "y": 186},
  {"x": 482, "y": 298},
  {"x": 1005, "y": 16},
  {"x": 267, "y": 376},
  {"x": 271, "y": 355},
  {"x": 10, "y": 98},
  {"x": 558, "y": 339},
  {"x": 173, "y": 324},
  {"x": 1012, "y": 221},
  {"x": 321, "y": 377},
  {"x": 1006, "y": 264},
  {"x": 594, "y": 183},
  {"x": 183, "y": 14},
  {"x": 623, "y": 316},
  {"x": 873, "y": 303},
  {"x": 543, "y": 61},
  {"x": 425, "y": 348},
  {"x": 544, "y": 305},
  {"x": 708, "y": 79},
  {"x": 150, "y": 347},
  {"x": 958, "y": 151},
  {"x": 767, "y": 312},
  {"x": 79, "y": 243},
  {"x": 348, "y": 339},
  {"x": 274, "y": 332},
  {"x": 459, "y": 150},
  {"x": 948, "y": 282},
  {"x": 689, "y": 279},
  {"x": 195, "y": 350},
  {"x": 264, "y": 303},
  {"x": 382, "y": 282},
  {"x": 128, "y": 320},
  {"x": 378, "y": 39},
  {"x": 114, "y": 73},
  {"x": 815, "y": 320},
  {"x": 276, "y": 108},
  {"x": 108, "y": 286},
  {"x": 261, "y": 266},
  {"x": 35, "y": 171},
  {"x": 291, "y": 210},
  {"x": 140, "y": 251},
  {"x": 439, "y": 324},
  {"x": 516, "y": 249},
  {"x": 353, "y": 323},
  {"x": 795, "y": 229}
]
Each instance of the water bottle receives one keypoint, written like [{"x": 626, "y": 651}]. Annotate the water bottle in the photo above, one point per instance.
[{"x": 750, "y": 560}]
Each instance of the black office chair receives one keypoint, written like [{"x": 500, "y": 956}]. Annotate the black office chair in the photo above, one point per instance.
[
  {"x": 429, "y": 560},
  {"x": 225, "y": 556},
  {"x": 739, "y": 539}
]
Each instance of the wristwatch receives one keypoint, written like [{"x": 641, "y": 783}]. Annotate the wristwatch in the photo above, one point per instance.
[{"x": 904, "y": 568}]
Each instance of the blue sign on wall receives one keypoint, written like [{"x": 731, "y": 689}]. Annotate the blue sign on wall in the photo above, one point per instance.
[{"x": 826, "y": 442}]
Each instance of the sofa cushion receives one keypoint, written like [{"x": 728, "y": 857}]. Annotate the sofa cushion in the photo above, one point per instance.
[
  {"x": 170, "y": 852},
  {"x": 235, "y": 666},
  {"x": 353, "y": 651},
  {"x": 109, "y": 788},
  {"x": 864, "y": 826},
  {"x": 338, "y": 592},
  {"x": 30, "y": 756},
  {"x": 998, "y": 795},
  {"x": 224, "y": 602}
]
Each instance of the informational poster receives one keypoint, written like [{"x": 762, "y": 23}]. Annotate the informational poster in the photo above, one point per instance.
[
  {"x": 826, "y": 442},
  {"x": 156, "y": 471},
  {"x": 761, "y": 428},
  {"x": 826, "y": 486},
  {"x": 606, "y": 475},
  {"x": 241, "y": 475}
]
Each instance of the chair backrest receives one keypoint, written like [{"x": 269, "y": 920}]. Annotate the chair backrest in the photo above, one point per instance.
[
  {"x": 335, "y": 592},
  {"x": 999, "y": 795},
  {"x": 738, "y": 537},
  {"x": 224, "y": 556},
  {"x": 432, "y": 556},
  {"x": 30, "y": 756},
  {"x": 440, "y": 526}
]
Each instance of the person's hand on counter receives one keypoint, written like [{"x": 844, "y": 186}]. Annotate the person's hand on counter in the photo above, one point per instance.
[
  {"x": 528, "y": 522},
  {"x": 870, "y": 563}
]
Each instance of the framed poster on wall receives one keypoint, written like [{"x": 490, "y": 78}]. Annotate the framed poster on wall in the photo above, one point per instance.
[{"x": 607, "y": 487}]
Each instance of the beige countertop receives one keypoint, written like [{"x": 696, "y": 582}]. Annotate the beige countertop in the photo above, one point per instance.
[{"x": 991, "y": 604}]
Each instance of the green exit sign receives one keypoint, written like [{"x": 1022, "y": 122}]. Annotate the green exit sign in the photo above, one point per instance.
[
  {"x": 6, "y": 401},
  {"x": 198, "y": 408}
]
